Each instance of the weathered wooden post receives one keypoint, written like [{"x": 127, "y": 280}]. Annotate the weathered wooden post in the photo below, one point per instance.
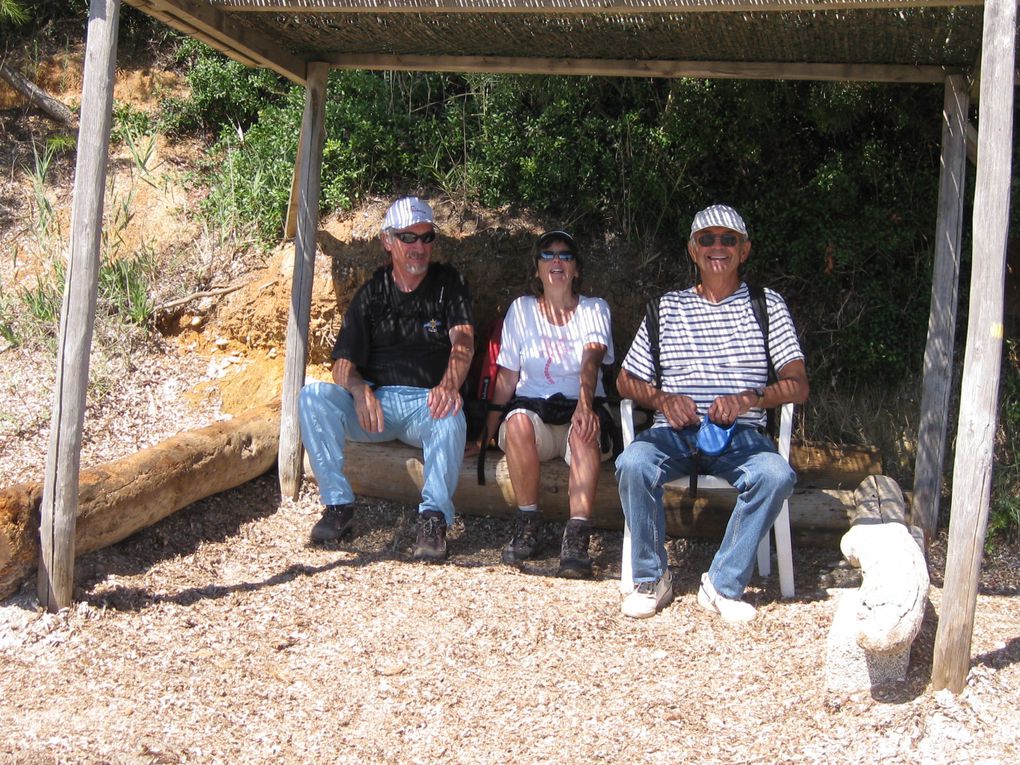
[
  {"x": 309, "y": 171},
  {"x": 975, "y": 442},
  {"x": 77, "y": 315},
  {"x": 938, "y": 352}
]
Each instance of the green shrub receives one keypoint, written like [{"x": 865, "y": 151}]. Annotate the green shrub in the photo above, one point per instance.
[
  {"x": 223, "y": 92},
  {"x": 1004, "y": 514},
  {"x": 838, "y": 182}
]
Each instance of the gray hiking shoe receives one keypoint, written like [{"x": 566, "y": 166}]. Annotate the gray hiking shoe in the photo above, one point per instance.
[
  {"x": 575, "y": 563},
  {"x": 526, "y": 540},
  {"x": 430, "y": 544}
]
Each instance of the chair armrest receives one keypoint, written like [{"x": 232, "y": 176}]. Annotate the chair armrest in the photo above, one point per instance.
[
  {"x": 785, "y": 430},
  {"x": 627, "y": 421}
]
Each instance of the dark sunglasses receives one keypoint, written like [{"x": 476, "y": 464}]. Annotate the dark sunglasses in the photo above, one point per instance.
[
  {"x": 726, "y": 240},
  {"x": 566, "y": 256},
  {"x": 408, "y": 238}
]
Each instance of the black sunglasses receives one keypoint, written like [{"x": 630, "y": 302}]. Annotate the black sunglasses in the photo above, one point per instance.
[
  {"x": 566, "y": 256},
  {"x": 409, "y": 238},
  {"x": 726, "y": 240}
]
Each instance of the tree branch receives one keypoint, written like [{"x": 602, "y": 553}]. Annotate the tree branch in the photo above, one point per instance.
[{"x": 53, "y": 108}]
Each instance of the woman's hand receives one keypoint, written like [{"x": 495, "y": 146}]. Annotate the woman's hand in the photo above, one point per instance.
[{"x": 585, "y": 423}]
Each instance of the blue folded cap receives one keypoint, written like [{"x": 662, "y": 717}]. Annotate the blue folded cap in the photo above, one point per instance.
[{"x": 712, "y": 438}]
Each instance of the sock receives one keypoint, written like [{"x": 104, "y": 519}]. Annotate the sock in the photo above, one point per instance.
[{"x": 528, "y": 508}]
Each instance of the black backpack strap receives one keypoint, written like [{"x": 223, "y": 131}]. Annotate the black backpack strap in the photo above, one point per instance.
[
  {"x": 486, "y": 437},
  {"x": 652, "y": 329},
  {"x": 761, "y": 315}
]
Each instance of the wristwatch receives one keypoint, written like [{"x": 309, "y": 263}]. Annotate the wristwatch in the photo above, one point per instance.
[{"x": 760, "y": 393}]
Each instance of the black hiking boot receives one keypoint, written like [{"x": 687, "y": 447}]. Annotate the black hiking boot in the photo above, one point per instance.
[
  {"x": 336, "y": 523},
  {"x": 430, "y": 545},
  {"x": 574, "y": 560},
  {"x": 526, "y": 539}
]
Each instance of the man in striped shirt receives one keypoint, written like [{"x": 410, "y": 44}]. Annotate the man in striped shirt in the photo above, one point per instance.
[{"x": 712, "y": 361}]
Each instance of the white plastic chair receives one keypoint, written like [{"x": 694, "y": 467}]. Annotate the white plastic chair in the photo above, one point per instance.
[{"x": 781, "y": 528}]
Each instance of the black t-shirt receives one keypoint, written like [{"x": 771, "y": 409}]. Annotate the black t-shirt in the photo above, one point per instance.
[{"x": 398, "y": 338}]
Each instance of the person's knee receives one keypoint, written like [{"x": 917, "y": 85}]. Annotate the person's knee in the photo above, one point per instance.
[
  {"x": 636, "y": 460},
  {"x": 779, "y": 477},
  {"x": 453, "y": 427},
  {"x": 520, "y": 429}
]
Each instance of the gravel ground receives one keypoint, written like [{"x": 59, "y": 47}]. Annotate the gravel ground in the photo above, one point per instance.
[{"x": 220, "y": 636}]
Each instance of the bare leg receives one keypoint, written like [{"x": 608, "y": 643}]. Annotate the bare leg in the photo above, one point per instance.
[
  {"x": 522, "y": 459},
  {"x": 585, "y": 460}
]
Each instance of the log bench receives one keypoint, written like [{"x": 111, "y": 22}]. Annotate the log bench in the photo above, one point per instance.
[{"x": 120, "y": 497}]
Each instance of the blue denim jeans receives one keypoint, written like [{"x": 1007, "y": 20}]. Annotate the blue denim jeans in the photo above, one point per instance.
[
  {"x": 751, "y": 463},
  {"x": 328, "y": 419}
]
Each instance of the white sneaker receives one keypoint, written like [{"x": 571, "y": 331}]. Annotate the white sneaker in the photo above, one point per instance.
[
  {"x": 732, "y": 611},
  {"x": 648, "y": 597}
]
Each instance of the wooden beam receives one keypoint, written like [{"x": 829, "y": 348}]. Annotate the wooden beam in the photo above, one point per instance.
[
  {"x": 203, "y": 21},
  {"x": 312, "y": 138},
  {"x": 975, "y": 441},
  {"x": 938, "y": 352},
  {"x": 623, "y": 68},
  {"x": 573, "y": 7},
  {"x": 290, "y": 222},
  {"x": 77, "y": 315}
]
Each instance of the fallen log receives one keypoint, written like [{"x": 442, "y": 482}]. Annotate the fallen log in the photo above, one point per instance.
[{"x": 118, "y": 498}]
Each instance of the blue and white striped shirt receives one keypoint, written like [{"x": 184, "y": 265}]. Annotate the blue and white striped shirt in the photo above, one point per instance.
[{"x": 707, "y": 350}]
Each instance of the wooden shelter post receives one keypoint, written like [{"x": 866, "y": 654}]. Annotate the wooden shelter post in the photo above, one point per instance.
[
  {"x": 972, "y": 469},
  {"x": 63, "y": 461},
  {"x": 938, "y": 352},
  {"x": 309, "y": 172}
]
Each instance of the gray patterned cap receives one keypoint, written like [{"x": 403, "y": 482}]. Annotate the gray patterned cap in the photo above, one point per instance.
[
  {"x": 406, "y": 212},
  {"x": 723, "y": 216}
]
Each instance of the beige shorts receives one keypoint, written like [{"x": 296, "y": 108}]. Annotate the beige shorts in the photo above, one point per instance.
[{"x": 552, "y": 440}]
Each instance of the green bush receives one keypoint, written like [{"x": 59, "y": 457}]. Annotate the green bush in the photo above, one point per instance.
[
  {"x": 1004, "y": 514},
  {"x": 838, "y": 182}
]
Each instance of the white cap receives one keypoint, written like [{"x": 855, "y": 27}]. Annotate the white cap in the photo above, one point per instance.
[
  {"x": 406, "y": 212},
  {"x": 723, "y": 216}
]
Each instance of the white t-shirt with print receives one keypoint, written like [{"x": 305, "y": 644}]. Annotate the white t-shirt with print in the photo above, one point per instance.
[{"x": 548, "y": 357}]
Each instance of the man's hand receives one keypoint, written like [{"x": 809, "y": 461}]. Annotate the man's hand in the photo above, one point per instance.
[
  {"x": 444, "y": 400},
  {"x": 680, "y": 411},
  {"x": 585, "y": 423},
  {"x": 370, "y": 414},
  {"x": 725, "y": 409}
]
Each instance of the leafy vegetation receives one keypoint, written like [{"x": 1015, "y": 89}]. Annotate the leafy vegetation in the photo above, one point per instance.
[
  {"x": 840, "y": 195},
  {"x": 1004, "y": 517}
]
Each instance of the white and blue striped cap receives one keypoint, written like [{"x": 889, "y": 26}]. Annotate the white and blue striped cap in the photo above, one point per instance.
[
  {"x": 406, "y": 212},
  {"x": 723, "y": 216}
]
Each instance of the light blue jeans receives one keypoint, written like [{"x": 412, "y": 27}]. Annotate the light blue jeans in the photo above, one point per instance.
[
  {"x": 751, "y": 463},
  {"x": 328, "y": 419}
]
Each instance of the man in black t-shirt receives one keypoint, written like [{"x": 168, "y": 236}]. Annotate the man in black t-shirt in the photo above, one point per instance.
[{"x": 399, "y": 361}]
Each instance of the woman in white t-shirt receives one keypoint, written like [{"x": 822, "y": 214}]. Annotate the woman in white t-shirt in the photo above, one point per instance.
[{"x": 551, "y": 353}]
